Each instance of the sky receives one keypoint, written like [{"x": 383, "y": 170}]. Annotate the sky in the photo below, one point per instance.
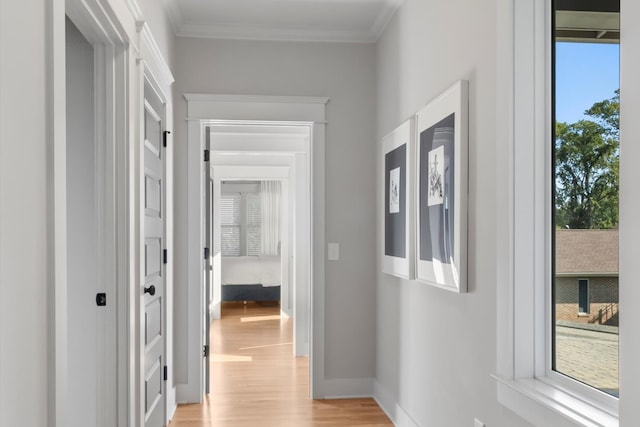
[{"x": 585, "y": 73}]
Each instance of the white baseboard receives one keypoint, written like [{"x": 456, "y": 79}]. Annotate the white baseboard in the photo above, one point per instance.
[
  {"x": 171, "y": 403},
  {"x": 186, "y": 394},
  {"x": 346, "y": 388},
  {"x": 394, "y": 411}
]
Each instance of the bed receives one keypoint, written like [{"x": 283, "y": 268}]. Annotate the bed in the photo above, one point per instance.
[{"x": 251, "y": 278}]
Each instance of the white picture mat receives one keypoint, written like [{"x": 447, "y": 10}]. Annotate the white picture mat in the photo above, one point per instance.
[
  {"x": 403, "y": 134},
  {"x": 454, "y": 100}
]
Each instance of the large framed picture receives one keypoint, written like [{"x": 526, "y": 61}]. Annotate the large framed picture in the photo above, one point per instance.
[
  {"x": 398, "y": 149},
  {"x": 442, "y": 189}
]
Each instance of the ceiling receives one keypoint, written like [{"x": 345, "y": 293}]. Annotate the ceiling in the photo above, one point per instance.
[{"x": 295, "y": 20}]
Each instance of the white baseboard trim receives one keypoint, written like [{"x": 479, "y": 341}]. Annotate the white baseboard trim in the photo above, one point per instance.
[
  {"x": 394, "y": 411},
  {"x": 185, "y": 394},
  {"x": 302, "y": 349},
  {"x": 171, "y": 404},
  {"x": 346, "y": 388}
]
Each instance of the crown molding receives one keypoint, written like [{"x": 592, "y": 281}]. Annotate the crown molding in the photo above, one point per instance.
[
  {"x": 234, "y": 32},
  {"x": 265, "y": 33},
  {"x": 174, "y": 13},
  {"x": 381, "y": 22}
]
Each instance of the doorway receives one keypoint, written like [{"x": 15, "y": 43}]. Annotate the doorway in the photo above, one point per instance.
[
  {"x": 250, "y": 112},
  {"x": 249, "y": 161},
  {"x": 93, "y": 84}
]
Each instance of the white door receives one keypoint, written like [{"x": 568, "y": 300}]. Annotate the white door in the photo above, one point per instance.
[{"x": 154, "y": 259}]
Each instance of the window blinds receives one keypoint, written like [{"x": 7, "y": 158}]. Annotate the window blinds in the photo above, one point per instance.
[
  {"x": 254, "y": 219},
  {"x": 230, "y": 223},
  {"x": 240, "y": 224}
]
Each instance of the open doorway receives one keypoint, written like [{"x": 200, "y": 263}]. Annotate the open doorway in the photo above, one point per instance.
[
  {"x": 267, "y": 127},
  {"x": 250, "y": 230},
  {"x": 259, "y": 230},
  {"x": 265, "y": 259}
]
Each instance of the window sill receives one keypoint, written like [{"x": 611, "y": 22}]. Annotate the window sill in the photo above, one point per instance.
[{"x": 526, "y": 396}]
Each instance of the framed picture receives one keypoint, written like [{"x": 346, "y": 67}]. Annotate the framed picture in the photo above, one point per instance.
[
  {"x": 442, "y": 188},
  {"x": 398, "y": 149}
]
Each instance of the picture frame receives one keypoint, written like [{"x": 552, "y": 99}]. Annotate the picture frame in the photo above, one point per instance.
[
  {"x": 442, "y": 144},
  {"x": 397, "y": 160}
]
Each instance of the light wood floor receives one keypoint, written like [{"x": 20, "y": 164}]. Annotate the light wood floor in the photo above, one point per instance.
[{"x": 256, "y": 381}]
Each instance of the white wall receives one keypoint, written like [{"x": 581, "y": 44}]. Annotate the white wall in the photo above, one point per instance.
[
  {"x": 436, "y": 349},
  {"x": 346, "y": 74},
  {"x": 32, "y": 161},
  {"x": 24, "y": 223}
]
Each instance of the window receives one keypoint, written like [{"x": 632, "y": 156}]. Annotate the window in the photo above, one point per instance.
[
  {"x": 240, "y": 224},
  {"x": 583, "y": 296},
  {"x": 230, "y": 224},
  {"x": 584, "y": 210},
  {"x": 254, "y": 220},
  {"x": 532, "y": 381}
]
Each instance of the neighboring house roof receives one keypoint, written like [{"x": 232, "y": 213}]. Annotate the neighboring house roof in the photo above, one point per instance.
[{"x": 583, "y": 252}]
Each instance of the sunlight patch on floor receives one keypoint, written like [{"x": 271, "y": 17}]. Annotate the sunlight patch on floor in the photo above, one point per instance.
[
  {"x": 259, "y": 318},
  {"x": 230, "y": 358},
  {"x": 266, "y": 346}
]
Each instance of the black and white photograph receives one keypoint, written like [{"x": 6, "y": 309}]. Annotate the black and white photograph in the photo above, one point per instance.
[
  {"x": 394, "y": 190},
  {"x": 442, "y": 190},
  {"x": 436, "y": 176},
  {"x": 397, "y": 148}
]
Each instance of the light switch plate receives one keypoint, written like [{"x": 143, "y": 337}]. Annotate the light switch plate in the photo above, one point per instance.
[{"x": 334, "y": 252}]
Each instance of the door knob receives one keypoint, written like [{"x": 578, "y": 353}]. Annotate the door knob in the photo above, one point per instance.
[{"x": 151, "y": 290}]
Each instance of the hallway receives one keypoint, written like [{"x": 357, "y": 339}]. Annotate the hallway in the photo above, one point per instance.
[{"x": 256, "y": 381}]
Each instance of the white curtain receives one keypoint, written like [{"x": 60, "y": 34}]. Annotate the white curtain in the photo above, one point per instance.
[{"x": 271, "y": 208}]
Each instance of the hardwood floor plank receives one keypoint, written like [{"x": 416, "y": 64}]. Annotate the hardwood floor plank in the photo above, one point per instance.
[{"x": 256, "y": 380}]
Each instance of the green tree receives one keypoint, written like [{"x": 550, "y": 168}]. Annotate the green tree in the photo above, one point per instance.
[{"x": 587, "y": 168}]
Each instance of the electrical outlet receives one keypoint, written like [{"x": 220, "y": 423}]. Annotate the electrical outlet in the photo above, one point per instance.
[{"x": 478, "y": 423}]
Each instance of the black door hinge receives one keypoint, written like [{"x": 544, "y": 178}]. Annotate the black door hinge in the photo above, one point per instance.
[
  {"x": 166, "y": 373},
  {"x": 205, "y": 351},
  {"x": 165, "y": 256},
  {"x": 206, "y": 253},
  {"x": 164, "y": 137},
  {"x": 206, "y": 155}
]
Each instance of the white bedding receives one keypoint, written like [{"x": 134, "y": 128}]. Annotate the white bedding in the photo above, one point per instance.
[{"x": 264, "y": 270}]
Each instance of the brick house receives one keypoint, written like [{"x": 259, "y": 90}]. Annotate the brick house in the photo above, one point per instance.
[{"x": 587, "y": 276}]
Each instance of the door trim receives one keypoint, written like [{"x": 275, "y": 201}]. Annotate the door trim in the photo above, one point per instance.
[
  {"x": 95, "y": 21},
  {"x": 125, "y": 40},
  {"x": 202, "y": 109}
]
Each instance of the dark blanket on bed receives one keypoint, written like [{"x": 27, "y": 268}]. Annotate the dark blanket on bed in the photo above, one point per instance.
[{"x": 250, "y": 293}]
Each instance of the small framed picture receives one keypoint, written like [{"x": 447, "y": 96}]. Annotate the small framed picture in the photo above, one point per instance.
[
  {"x": 442, "y": 189},
  {"x": 397, "y": 156}
]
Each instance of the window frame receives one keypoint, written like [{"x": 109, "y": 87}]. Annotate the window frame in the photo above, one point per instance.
[{"x": 526, "y": 382}]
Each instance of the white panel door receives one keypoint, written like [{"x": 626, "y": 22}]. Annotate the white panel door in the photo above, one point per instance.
[{"x": 153, "y": 266}]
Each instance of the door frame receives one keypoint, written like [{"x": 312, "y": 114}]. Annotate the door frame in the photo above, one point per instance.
[
  {"x": 202, "y": 109},
  {"x": 111, "y": 94},
  {"x": 241, "y": 172},
  {"x": 261, "y": 151},
  {"x": 124, "y": 48}
]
